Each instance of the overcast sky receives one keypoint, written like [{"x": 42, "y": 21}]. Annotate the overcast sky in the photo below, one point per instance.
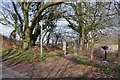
[{"x": 6, "y": 30}]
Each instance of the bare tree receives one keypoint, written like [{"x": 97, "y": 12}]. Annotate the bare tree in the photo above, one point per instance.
[{"x": 24, "y": 24}]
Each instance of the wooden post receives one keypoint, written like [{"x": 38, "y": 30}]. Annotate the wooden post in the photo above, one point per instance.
[{"x": 64, "y": 44}]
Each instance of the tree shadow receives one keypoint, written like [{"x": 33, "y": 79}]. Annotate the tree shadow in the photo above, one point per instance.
[{"x": 53, "y": 68}]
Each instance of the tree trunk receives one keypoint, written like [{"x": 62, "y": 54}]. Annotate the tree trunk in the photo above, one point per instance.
[
  {"x": 118, "y": 49},
  {"x": 53, "y": 40},
  {"x": 76, "y": 46},
  {"x": 26, "y": 43},
  {"x": 80, "y": 42},
  {"x": 56, "y": 41},
  {"x": 48, "y": 38},
  {"x": 92, "y": 48},
  {"x": 27, "y": 40},
  {"x": 88, "y": 43},
  {"x": 81, "y": 38}
]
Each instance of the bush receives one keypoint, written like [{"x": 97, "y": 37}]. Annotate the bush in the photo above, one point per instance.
[{"x": 117, "y": 71}]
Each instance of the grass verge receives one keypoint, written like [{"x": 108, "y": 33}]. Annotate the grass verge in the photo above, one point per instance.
[{"x": 104, "y": 68}]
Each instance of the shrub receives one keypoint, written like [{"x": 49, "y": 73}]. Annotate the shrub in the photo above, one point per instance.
[{"x": 117, "y": 71}]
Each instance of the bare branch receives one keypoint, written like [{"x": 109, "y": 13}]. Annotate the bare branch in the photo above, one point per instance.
[
  {"x": 20, "y": 18},
  {"x": 7, "y": 21},
  {"x": 38, "y": 15},
  {"x": 3, "y": 23}
]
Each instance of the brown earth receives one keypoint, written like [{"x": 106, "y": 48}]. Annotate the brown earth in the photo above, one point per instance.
[
  {"x": 6, "y": 43},
  {"x": 54, "y": 67}
]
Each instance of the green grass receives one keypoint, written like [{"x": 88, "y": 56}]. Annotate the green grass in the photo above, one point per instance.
[
  {"x": 104, "y": 68},
  {"x": 23, "y": 56},
  {"x": 81, "y": 60},
  {"x": 49, "y": 55},
  {"x": 109, "y": 69},
  {"x": 117, "y": 71},
  {"x": 26, "y": 56}
]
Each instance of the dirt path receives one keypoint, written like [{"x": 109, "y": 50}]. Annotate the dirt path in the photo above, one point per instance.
[
  {"x": 56, "y": 67},
  {"x": 6, "y": 72}
]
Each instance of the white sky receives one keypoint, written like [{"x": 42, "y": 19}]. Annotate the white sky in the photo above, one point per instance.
[{"x": 5, "y": 30}]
